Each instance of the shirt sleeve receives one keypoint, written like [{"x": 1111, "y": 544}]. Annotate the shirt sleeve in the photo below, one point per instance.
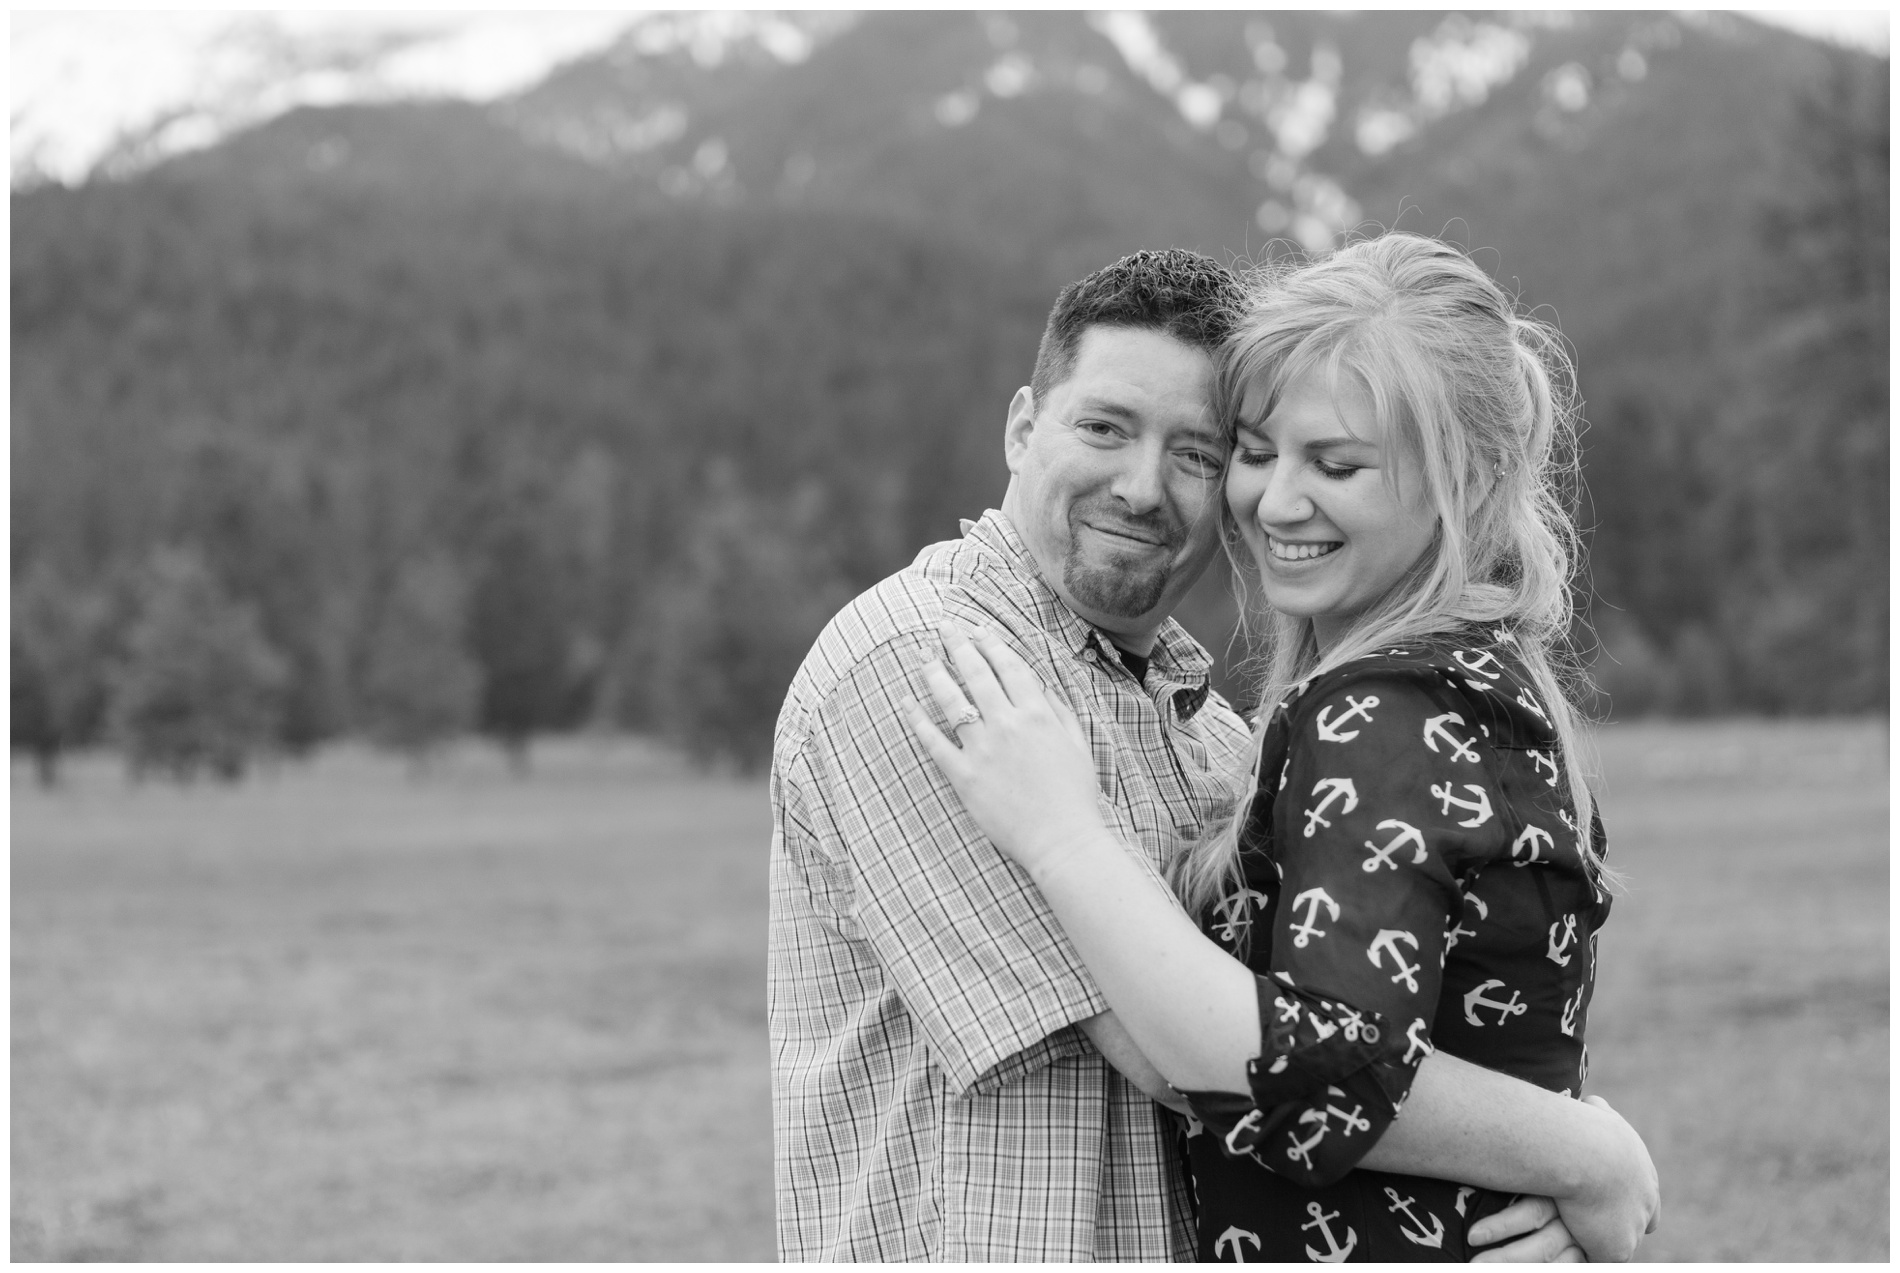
[
  {"x": 974, "y": 952},
  {"x": 1384, "y": 798}
]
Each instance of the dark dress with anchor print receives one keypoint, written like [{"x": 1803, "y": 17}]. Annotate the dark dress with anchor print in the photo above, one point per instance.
[{"x": 1414, "y": 881}]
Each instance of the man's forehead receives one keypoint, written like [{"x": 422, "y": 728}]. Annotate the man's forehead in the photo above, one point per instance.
[
  {"x": 1140, "y": 372},
  {"x": 1189, "y": 414}
]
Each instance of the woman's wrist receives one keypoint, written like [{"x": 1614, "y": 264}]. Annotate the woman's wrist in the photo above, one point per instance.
[{"x": 1069, "y": 852}]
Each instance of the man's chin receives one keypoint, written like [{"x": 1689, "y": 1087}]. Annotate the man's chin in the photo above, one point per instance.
[{"x": 1116, "y": 593}]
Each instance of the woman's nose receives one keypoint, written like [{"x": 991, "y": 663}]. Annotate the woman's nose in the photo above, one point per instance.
[{"x": 1282, "y": 503}]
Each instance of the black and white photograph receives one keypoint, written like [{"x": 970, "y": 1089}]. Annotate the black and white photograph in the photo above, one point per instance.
[{"x": 1231, "y": 636}]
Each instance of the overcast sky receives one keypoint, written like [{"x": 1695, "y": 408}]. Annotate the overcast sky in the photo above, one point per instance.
[{"x": 79, "y": 81}]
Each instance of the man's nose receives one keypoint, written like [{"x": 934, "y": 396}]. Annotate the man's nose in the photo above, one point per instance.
[{"x": 1142, "y": 482}]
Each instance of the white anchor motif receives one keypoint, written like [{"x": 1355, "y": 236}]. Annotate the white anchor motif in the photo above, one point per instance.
[
  {"x": 1407, "y": 834},
  {"x": 1335, "y": 789},
  {"x": 1568, "y": 1024},
  {"x": 1233, "y": 1238},
  {"x": 1388, "y": 941},
  {"x": 1329, "y": 729},
  {"x": 1349, "y": 1123},
  {"x": 1593, "y": 955},
  {"x": 1353, "y": 1024},
  {"x": 1477, "y": 666},
  {"x": 1312, "y": 899},
  {"x": 1464, "y": 1191},
  {"x": 1289, "y": 1009},
  {"x": 1451, "y": 941},
  {"x": 1535, "y": 838},
  {"x": 1245, "y": 1125},
  {"x": 1530, "y": 704},
  {"x": 1434, "y": 1236},
  {"x": 1479, "y": 809},
  {"x": 1560, "y": 942},
  {"x": 1234, "y": 912},
  {"x": 1458, "y": 929},
  {"x": 1283, "y": 768},
  {"x": 1301, "y": 1151},
  {"x": 1420, "y": 1046},
  {"x": 1435, "y": 729},
  {"x": 1334, "y": 1253},
  {"x": 1476, "y": 1000},
  {"x": 1568, "y": 821},
  {"x": 1541, "y": 761}
]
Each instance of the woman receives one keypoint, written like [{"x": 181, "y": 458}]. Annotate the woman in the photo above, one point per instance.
[{"x": 1411, "y": 871}]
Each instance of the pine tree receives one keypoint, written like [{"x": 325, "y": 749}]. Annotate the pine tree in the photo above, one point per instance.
[
  {"x": 519, "y": 637},
  {"x": 201, "y": 688},
  {"x": 725, "y": 633},
  {"x": 419, "y": 686},
  {"x": 60, "y": 651}
]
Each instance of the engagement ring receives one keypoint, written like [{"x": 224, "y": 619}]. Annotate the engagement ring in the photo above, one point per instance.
[{"x": 968, "y": 716}]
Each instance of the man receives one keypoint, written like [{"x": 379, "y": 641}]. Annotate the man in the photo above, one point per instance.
[{"x": 948, "y": 1083}]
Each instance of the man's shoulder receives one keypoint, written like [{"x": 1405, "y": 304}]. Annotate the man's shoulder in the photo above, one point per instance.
[{"x": 959, "y": 580}]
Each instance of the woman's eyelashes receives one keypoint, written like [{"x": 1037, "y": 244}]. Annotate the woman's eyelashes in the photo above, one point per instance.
[{"x": 1259, "y": 457}]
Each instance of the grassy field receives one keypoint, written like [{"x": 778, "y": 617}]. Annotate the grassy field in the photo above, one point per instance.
[{"x": 333, "y": 1014}]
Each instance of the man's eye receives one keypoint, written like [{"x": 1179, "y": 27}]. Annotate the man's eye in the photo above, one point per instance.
[
  {"x": 1201, "y": 462},
  {"x": 1098, "y": 428}
]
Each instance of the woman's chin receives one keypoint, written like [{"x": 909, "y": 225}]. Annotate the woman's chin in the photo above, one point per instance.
[{"x": 1294, "y": 602}]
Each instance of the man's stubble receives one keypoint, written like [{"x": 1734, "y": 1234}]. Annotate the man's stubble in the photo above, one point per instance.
[{"x": 1123, "y": 586}]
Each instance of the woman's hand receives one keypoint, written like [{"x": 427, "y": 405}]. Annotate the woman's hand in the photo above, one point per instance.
[{"x": 1023, "y": 767}]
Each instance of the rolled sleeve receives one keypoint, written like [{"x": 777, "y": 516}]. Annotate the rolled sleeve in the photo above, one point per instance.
[{"x": 971, "y": 948}]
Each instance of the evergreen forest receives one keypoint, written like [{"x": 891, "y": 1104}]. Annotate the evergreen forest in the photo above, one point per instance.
[{"x": 588, "y": 407}]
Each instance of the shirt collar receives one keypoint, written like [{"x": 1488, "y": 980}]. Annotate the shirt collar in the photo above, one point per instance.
[{"x": 1178, "y": 663}]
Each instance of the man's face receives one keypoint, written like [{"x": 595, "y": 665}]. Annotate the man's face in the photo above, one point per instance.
[{"x": 1116, "y": 478}]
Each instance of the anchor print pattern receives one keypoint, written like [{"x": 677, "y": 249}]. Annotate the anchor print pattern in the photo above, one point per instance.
[{"x": 1391, "y": 788}]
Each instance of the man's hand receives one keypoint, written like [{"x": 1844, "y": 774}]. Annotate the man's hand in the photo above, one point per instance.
[
  {"x": 1544, "y": 1238},
  {"x": 1621, "y": 1200}
]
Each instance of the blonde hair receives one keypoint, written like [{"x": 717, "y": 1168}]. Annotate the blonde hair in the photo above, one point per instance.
[{"x": 1481, "y": 400}]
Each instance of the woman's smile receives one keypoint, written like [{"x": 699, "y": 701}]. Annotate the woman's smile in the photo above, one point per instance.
[{"x": 1292, "y": 550}]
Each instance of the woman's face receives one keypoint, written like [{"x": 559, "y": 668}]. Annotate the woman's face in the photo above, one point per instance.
[{"x": 1309, "y": 487}]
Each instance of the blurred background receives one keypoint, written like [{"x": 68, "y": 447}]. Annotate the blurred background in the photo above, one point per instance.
[{"x": 437, "y": 438}]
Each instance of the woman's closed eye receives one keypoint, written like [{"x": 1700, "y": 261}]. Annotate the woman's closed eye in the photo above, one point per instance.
[{"x": 1338, "y": 472}]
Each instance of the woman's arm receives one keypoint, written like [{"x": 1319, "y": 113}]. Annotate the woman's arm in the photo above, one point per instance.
[
  {"x": 1112, "y": 1040},
  {"x": 1028, "y": 779}
]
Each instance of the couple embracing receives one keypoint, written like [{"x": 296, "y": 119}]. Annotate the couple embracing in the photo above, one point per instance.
[{"x": 1069, "y": 962}]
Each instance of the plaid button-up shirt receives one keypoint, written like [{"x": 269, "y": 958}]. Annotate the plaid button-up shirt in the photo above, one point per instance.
[{"x": 932, "y": 1095}]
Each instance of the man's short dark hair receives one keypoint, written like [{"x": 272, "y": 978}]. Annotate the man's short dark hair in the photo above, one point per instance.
[{"x": 1183, "y": 294}]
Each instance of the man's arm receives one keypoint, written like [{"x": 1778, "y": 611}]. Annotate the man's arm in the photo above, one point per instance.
[
  {"x": 969, "y": 946},
  {"x": 1466, "y": 1123},
  {"x": 1475, "y": 1126}
]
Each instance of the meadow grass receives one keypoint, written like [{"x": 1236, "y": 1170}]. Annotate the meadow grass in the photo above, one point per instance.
[{"x": 337, "y": 1013}]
